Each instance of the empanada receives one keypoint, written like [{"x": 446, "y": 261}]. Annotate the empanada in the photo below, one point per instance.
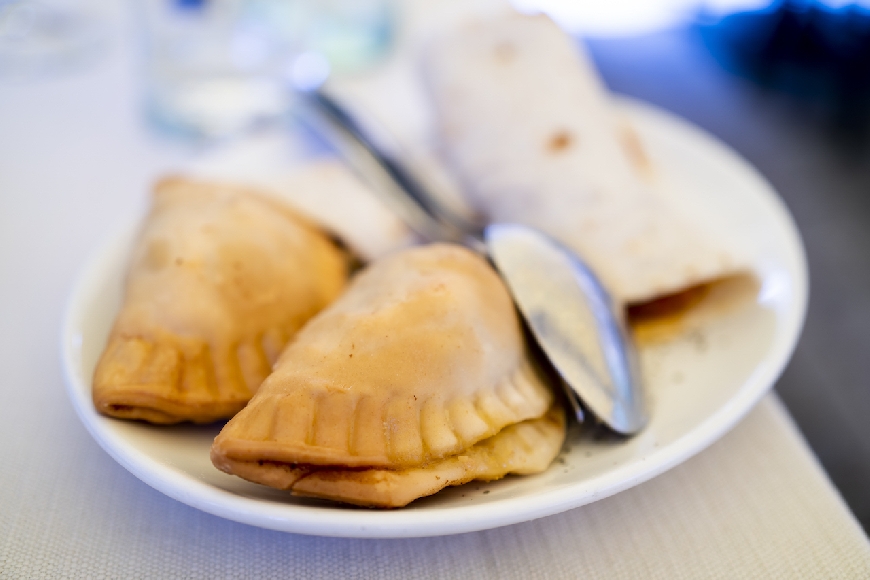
[
  {"x": 524, "y": 448},
  {"x": 219, "y": 280},
  {"x": 420, "y": 359},
  {"x": 527, "y": 125}
]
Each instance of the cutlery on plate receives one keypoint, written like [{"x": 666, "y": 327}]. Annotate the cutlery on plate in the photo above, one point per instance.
[{"x": 566, "y": 308}]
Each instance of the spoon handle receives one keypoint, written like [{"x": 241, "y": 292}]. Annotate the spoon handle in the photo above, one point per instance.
[{"x": 420, "y": 208}]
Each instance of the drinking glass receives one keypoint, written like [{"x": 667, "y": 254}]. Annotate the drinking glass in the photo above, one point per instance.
[{"x": 215, "y": 67}]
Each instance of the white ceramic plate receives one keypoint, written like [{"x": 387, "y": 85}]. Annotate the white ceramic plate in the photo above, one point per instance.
[{"x": 700, "y": 385}]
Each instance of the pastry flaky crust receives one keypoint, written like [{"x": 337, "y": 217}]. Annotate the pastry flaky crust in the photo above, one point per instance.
[
  {"x": 220, "y": 278},
  {"x": 524, "y": 448},
  {"x": 422, "y": 358}
]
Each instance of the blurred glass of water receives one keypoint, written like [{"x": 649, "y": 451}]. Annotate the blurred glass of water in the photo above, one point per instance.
[
  {"x": 215, "y": 67},
  {"x": 352, "y": 34}
]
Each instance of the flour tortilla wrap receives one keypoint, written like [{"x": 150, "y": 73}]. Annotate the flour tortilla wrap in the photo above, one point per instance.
[{"x": 527, "y": 126}]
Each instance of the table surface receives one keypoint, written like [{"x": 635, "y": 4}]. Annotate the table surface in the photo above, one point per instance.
[{"x": 76, "y": 156}]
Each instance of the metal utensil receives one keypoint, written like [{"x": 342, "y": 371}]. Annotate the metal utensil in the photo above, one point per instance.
[{"x": 567, "y": 309}]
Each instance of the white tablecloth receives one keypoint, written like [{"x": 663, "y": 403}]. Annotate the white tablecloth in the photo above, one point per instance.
[{"x": 74, "y": 158}]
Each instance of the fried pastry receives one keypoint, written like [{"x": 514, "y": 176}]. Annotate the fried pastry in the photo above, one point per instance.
[
  {"x": 524, "y": 448},
  {"x": 220, "y": 278},
  {"x": 527, "y": 125},
  {"x": 422, "y": 358}
]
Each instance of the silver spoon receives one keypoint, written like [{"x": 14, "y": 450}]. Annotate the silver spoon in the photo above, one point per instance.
[{"x": 567, "y": 309}]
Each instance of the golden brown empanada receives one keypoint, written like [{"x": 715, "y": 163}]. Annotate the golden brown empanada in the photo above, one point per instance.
[
  {"x": 524, "y": 448},
  {"x": 419, "y": 360},
  {"x": 220, "y": 278}
]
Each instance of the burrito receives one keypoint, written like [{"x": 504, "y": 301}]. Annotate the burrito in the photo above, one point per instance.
[{"x": 530, "y": 131}]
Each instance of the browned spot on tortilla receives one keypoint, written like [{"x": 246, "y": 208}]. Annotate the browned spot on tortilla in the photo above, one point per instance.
[
  {"x": 634, "y": 148},
  {"x": 560, "y": 141},
  {"x": 505, "y": 52}
]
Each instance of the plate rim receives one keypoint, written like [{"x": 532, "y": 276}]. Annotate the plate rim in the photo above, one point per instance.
[{"x": 407, "y": 523}]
